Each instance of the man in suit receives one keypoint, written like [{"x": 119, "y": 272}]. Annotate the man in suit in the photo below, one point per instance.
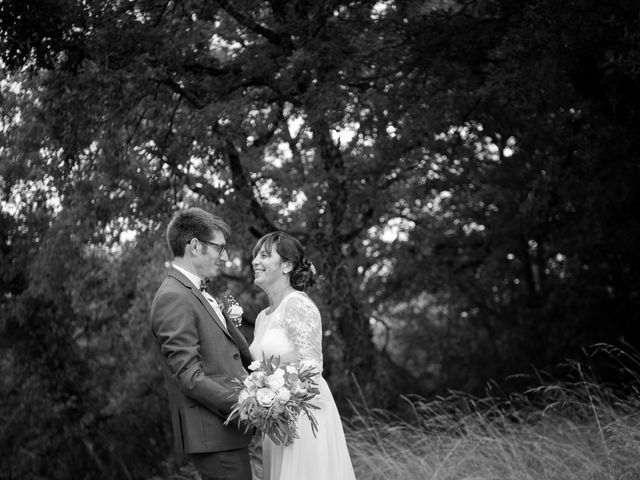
[{"x": 199, "y": 350}]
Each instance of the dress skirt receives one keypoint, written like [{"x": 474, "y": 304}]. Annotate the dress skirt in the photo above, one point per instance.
[{"x": 307, "y": 458}]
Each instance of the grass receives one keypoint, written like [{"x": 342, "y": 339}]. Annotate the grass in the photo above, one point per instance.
[
  {"x": 575, "y": 430},
  {"x": 475, "y": 443},
  {"x": 579, "y": 429}
]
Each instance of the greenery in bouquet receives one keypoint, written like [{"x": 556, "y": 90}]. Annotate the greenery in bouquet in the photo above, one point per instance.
[{"x": 273, "y": 396}]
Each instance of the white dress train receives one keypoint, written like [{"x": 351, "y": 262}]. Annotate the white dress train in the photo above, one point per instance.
[{"x": 293, "y": 331}]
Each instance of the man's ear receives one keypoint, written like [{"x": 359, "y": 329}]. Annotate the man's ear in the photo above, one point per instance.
[{"x": 192, "y": 246}]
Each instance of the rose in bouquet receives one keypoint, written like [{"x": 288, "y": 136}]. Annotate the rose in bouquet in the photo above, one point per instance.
[
  {"x": 273, "y": 396},
  {"x": 231, "y": 309}
]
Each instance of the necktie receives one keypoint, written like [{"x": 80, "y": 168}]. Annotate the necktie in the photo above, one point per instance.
[{"x": 203, "y": 285}]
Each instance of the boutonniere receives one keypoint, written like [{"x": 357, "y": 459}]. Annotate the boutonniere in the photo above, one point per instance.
[{"x": 231, "y": 309}]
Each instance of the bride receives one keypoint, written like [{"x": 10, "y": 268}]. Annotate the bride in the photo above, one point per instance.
[{"x": 291, "y": 329}]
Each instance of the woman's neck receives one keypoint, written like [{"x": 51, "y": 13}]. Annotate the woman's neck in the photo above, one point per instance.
[{"x": 277, "y": 295}]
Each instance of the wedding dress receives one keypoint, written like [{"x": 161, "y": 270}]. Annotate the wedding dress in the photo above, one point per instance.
[{"x": 293, "y": 332}]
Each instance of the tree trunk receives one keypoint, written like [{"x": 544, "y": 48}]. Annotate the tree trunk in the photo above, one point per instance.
[{"x": 348, "y": 341}]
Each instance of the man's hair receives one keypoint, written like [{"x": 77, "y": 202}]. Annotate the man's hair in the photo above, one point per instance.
[{"x": 193, "y": 223}]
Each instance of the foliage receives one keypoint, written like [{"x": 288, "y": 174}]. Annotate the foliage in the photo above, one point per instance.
[{"x": 523, "y": 233}]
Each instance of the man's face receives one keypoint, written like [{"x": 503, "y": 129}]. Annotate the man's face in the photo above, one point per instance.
[{"x": 211, "y": 255}]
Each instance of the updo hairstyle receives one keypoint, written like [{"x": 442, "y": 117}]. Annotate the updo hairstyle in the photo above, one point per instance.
[{"x": 302, "y": 275}]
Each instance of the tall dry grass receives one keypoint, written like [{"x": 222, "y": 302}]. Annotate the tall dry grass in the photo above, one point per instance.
[{"x": 575, "y": 430}]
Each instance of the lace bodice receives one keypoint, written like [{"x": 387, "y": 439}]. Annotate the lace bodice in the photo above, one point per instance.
[{"x": 293, "y": 331}]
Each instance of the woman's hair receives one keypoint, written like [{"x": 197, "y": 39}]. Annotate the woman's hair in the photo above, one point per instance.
[
  {"x": 303, "y": 273},
  {"x": 192, "y": 223}
]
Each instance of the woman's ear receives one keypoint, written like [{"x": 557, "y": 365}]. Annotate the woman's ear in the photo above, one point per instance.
[{"x": 287, "y": 267}]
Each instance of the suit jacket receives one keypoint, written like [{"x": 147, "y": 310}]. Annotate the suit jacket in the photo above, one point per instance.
[{"x": 199, "y": 360}]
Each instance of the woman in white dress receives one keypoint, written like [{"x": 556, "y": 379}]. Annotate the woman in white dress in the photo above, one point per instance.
[{"x": 291, "y": 329}]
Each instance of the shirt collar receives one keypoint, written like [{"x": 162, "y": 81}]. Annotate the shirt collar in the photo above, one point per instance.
[{"x": 193, "y": 278}]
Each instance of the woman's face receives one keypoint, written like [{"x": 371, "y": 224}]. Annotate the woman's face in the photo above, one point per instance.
[{"x": 268, "y": 267}]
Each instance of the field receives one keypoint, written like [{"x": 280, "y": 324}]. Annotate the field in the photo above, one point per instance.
[
  {"x": 580, "y": 435},
  {"x": 581, "y": 429}
]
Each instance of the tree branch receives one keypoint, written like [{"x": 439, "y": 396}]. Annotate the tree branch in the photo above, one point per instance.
[
  {"x": 183, "y": 92},
  {"x": 244, "y": 187},
  {"x": 274, "y": 37}
]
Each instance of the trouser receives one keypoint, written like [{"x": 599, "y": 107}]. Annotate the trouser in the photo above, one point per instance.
[{"x": 226, "y": 465}]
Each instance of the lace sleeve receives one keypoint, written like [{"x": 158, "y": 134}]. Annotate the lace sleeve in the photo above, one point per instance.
[{"x": 304, "y": 327}]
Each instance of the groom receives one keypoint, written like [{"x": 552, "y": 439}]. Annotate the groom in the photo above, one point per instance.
[{"x": 199, "y": 351}]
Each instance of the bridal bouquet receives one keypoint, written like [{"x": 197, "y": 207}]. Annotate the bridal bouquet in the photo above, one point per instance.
[{"x": 272, "y": 397}]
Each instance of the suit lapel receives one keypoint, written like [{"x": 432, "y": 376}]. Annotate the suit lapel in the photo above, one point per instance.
[
  {"x": 201, "y": 298},
  {"x": 216, "y": 318},
  {"x": 236, "y": 334},
  {"x": 241, "y": 342}
]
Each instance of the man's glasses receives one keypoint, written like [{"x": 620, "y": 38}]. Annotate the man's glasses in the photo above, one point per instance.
[{"x": 221, "y": 247}]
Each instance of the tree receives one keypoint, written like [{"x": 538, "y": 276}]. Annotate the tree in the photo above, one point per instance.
[{"x": 529, "y": 228}]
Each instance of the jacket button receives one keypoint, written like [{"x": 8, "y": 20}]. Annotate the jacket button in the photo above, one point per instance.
[{"x": 236, "y": 356}]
